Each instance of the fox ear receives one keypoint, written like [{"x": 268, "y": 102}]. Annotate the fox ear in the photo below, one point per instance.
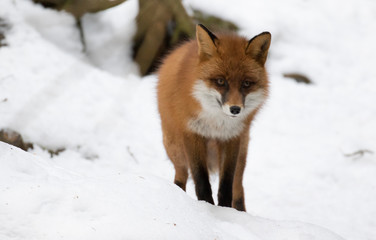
[
  {"x": 258, "y": 47},
  {"x": 207, "y": 41}
]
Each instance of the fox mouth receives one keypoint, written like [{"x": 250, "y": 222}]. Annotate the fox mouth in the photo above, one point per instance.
[{"x": 232, "y": 115}]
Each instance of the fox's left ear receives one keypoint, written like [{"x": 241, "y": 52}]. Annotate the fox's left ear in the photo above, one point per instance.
[{"x": 258, "y": 47}]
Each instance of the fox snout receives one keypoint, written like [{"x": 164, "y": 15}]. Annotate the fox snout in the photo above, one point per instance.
[
  {"x": 232, "y": 102},
  {"x": 232, "y": 110},
  {"x": 244, "y": 105}
]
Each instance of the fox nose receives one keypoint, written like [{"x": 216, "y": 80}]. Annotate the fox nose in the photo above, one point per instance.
[{"x": 235, "y": 110}]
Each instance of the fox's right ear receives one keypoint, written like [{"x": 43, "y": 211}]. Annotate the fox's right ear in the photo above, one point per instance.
[{"x": 207, "y": 41}]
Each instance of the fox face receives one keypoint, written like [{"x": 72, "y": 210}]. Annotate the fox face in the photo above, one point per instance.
[
  {"x": 236, "y": 95},
  {"x": 231, "y": 84}
]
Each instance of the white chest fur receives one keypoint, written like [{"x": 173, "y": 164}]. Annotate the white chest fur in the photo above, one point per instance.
[
  {"x": 212, "y": 121},
  {"x": 220, "y": 127}
]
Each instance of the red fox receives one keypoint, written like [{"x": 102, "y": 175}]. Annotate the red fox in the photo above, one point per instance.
[{"x": 209, "y": 91}]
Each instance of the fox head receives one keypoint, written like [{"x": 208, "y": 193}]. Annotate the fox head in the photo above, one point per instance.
[{"x": 231, "y": 77}]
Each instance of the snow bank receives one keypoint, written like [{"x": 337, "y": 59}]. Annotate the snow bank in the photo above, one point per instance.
[{"x": 40, "y": 200}]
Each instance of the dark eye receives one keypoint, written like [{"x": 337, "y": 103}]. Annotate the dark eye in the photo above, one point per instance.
[
  {"x": 220, "y": 82},
  {"x": 246, "y": 84}
]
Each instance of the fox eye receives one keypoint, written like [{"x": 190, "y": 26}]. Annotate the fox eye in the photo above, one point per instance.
[
  {"x": 220, "y": 82},
  {"x": 246, "y": 84}
]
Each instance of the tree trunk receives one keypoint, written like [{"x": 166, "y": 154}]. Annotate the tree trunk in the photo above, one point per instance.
[{"x": 160, "y": 25}]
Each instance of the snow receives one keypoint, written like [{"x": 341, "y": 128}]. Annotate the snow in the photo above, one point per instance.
[
  {"x": 64, "y": 204},
  {"x": 114, "y": 181}
]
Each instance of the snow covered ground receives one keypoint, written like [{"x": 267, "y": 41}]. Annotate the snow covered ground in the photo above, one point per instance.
[
  {"x": 114, "y": 181},
  {"x": 43, "y": 201}
]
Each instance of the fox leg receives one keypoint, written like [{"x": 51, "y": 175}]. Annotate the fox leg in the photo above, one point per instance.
[
  {"x": 227, "y": 171},
  {"x": 195, "y": 149},
  {"x": 176, "y": 154},
  {"x": 181, "y": 176},
  {"x": 238, "y": 191}
]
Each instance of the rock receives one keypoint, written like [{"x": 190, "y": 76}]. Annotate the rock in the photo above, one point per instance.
[
  {"x": 14, "y": 138},
  {"x": 3, "y": 27},
  {"x": 300, "y": 78}
]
